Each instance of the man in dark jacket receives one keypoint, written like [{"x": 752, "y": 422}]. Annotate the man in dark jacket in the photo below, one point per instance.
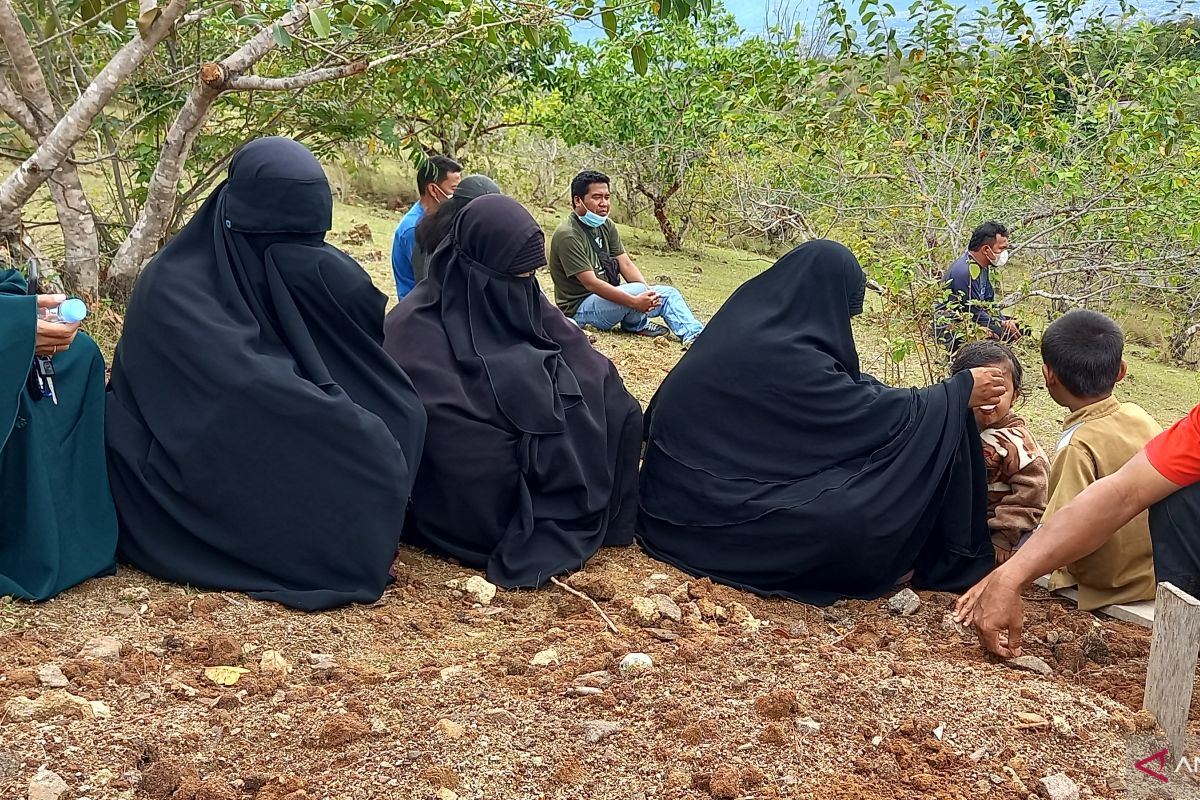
[{"x": 971, "y": 294}]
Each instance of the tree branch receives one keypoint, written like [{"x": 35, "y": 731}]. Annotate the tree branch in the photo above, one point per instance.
[
  {"x": 300, "y": 81},
  {"x": 12, "y": 105},
  {"x": 16, "y": 190}
]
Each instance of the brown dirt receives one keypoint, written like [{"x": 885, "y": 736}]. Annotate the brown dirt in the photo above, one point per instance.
[{"x": 816, "y": 703}]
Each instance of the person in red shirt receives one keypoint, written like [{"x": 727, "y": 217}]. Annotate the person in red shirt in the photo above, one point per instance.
[{"x": 1164, "y": 477}]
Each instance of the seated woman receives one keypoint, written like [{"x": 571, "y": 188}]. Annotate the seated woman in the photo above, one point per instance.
[
  {"x": 259, "y": 437},
  {"x": 531, "y": 457},
  {"x": 775, "y": 465},
  {"x": 57, "y": 526},
  {"x": 436, "y": 226}
]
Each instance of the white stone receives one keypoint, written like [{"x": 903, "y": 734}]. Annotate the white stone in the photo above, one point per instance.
[
  {"x": 545, "y": 658},
  {"x": 1058, "y": 787},
  {"x": 645, "y": 611},
  {"x": 51, "y": 676},
  {"x": 46, "y": 785},
  {"x": 476, "y": 588},
  {"x": 636, "y": 662}
]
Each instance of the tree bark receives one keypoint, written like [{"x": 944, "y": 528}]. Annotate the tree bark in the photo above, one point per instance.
[
  {"x": 81, "y": 267},
  {"x": 153, "y": 222},
  {"x": 659, "y": 203},
  {"x": 53, "y": 150}
]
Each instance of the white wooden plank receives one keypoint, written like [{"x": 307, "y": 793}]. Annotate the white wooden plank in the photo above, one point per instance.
[
  {"x": 1171, "y": 670},
  {"x": 1139, "y": 613}
]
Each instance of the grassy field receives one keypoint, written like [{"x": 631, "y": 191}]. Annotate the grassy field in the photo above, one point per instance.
[{"x": 708, "y": 275}]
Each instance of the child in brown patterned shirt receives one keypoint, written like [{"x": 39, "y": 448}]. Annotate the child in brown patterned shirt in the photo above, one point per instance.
[{"x": 1017, "y": 469}]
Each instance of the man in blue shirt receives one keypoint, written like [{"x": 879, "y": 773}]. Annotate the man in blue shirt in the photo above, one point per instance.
[
  {"x": 971, "y": 295},
  {"x": 436, "y": 181}
]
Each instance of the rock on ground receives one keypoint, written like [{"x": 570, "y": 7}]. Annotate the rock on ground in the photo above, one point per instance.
[
  {"x": 595, "y": 730},
  {"x": 1031, "y": 664},
  {"x": 1058, "y": 787},
  {"x": 51, "y": 676},
  {"x": 668, "y": 608},
  {"x": 905, "y": 603},
  {"x": 105, "y": 648},
  {"x": 645, "y": 611},
  {"x": 46, "y": 785},
  {"x": 476, "y": 588}
]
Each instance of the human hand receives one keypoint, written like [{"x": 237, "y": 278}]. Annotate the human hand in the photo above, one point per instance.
[
  {"x": 990, "y": 386},
  {"x": 1002, "y": 555},
  {"x": 994, "y": 607},
  {"x": 645, "y": 302},
  {"x": 1012, "y": 330},
  {"x": 53, "y": 337}
]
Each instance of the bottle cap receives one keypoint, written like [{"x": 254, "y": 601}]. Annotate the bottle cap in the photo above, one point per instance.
[{"x": 72, "y": 310}]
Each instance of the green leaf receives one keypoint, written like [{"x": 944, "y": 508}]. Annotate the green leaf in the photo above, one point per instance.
[
  {"x": 974, "y": 269},
  {"x": 90, "y": 9},
  {"x": 609, "y": 18},
  {"x": 319, "y": 19},
  {"x": 120, "y": 16},
  {"x": 250, "y": 20},
  {"x": 282, "y": 37},
  {"x": 640, "y": 62}
]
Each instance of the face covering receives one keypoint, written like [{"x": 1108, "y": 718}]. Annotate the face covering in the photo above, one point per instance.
[
  {"x": 1000, "y": 260},
  {"x": 592, "y": 219}
]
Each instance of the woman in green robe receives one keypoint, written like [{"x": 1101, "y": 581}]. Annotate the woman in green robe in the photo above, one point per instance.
[{"x": 57, "y": 524}]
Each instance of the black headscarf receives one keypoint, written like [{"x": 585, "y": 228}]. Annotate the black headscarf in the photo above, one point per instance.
[
  {"x": 259, "y": 437},
  {"x": 787, "y": 333},
  {"x": 509, "y": 383},
  {"x": 775, "y": 464}
]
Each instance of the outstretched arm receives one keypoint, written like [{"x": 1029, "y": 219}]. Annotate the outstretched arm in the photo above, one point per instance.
[{"x": 994, "y": 604}]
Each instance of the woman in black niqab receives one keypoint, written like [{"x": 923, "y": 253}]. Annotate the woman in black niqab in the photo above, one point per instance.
[
  {"x": 531, "y": 458},
  {"x": 259, "y": 437},
  {"x": 774, "y": 464}
]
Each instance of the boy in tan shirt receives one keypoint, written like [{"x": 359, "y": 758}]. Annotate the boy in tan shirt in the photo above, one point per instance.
[{"x": 1082, "y": 362}]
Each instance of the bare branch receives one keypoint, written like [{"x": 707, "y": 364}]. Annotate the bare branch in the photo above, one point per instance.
[
  {"x": 12, "y": 105},
  {"x": 16, "y": 190},
  {"x": 304, "y": 79}
]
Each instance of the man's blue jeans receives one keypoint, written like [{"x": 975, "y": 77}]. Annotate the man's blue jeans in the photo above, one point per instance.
[{"x": 605, "y": 314}]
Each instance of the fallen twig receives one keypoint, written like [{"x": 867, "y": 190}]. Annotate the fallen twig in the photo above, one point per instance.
[{"x": 611, "y": 626}]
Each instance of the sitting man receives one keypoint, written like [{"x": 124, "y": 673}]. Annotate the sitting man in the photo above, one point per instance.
[
  {"x": 588, "y": 263},
  {"x": 437, "y": 179},
  {"x": 971, "y": 291}
]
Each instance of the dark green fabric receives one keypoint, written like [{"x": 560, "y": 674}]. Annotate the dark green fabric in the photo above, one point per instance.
[{"x": 57, "y": 524}]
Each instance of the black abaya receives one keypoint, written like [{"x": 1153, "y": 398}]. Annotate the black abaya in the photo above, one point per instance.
[
  {"x": 259, "y": 437},
  {"x": 775, "y": 465},
  {"x": 531, "y": 457}
]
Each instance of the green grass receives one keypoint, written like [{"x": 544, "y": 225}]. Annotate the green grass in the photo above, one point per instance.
[{"x": 708, "y": 275}]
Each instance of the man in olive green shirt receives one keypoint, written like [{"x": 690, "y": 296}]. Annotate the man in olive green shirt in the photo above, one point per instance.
[{"x": 596, "y": 282}]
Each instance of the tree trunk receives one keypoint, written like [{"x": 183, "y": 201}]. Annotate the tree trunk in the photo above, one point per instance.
[
  {"x": 81, "y": 267},
  {"x": 154, "y": 221},
  {"x": 659, "y": 202},
  {"x": 53, "y": 150},
  {"x": 1180, "y": 341}
]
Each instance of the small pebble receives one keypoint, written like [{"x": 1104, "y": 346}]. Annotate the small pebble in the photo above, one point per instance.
[{"x": 636, "y": 662}]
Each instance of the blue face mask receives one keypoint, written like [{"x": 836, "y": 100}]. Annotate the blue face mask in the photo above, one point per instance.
[{"x": 593, "y": 220}]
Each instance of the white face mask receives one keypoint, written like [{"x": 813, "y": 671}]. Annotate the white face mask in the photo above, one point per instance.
[{"x": 1000, "y": 260}]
